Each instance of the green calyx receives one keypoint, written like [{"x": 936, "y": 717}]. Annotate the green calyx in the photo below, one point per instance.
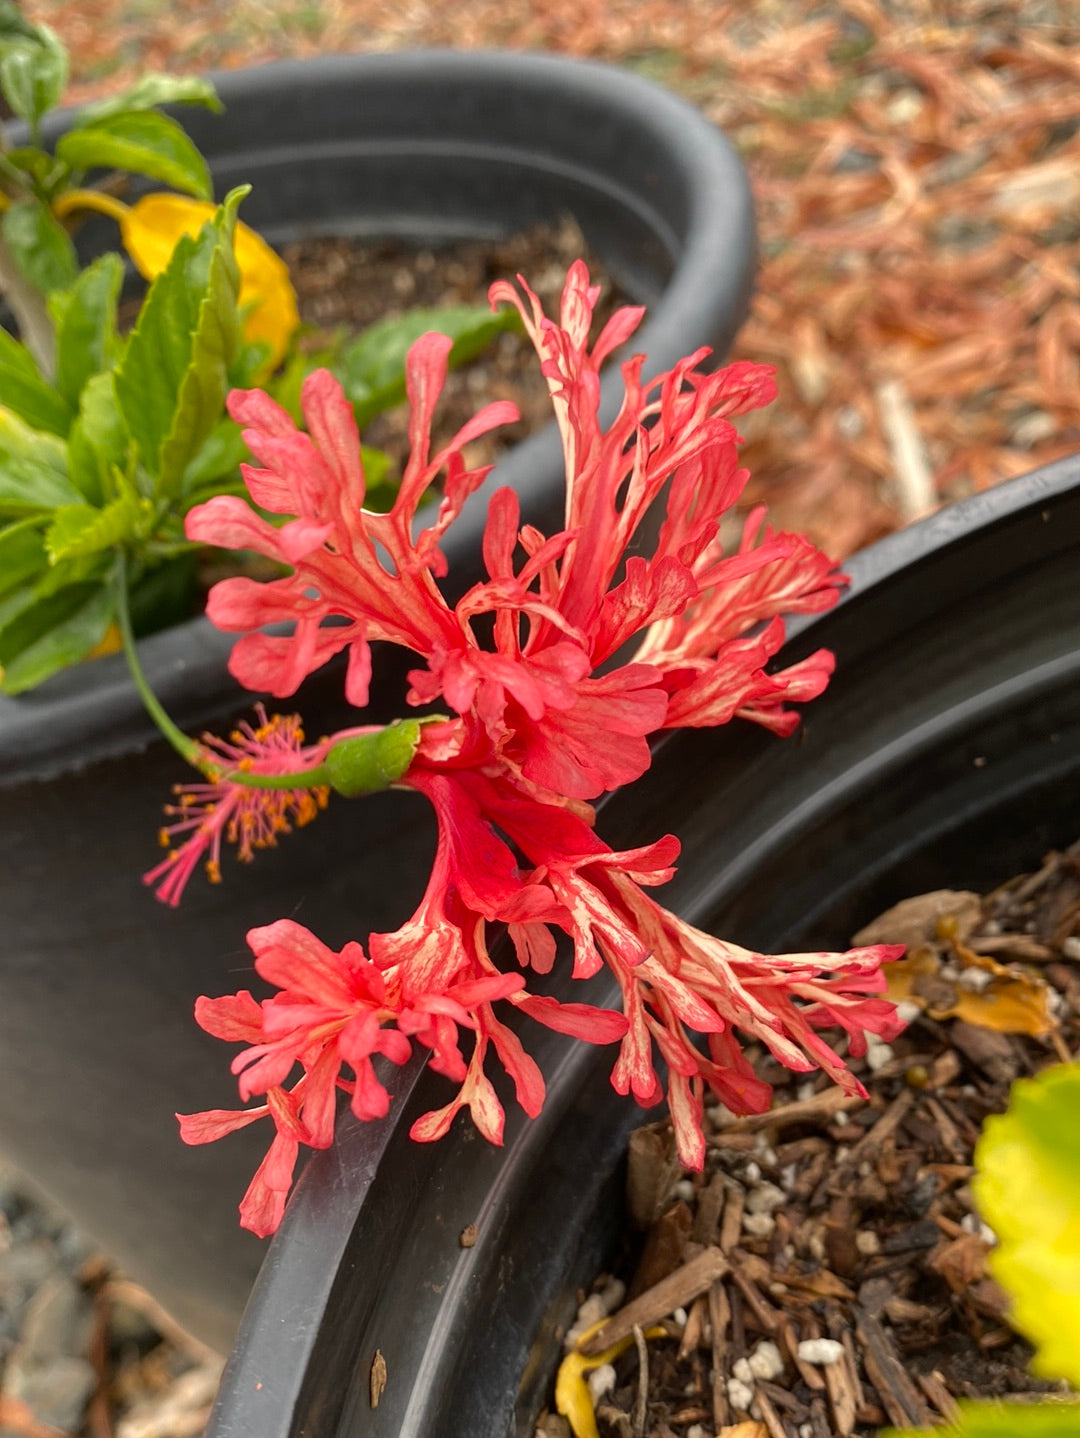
[{"x": 367, "y": 763}]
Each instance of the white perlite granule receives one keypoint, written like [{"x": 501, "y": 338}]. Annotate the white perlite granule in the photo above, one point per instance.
[
  {"x": 601, "y": 1381},
  {"x": 823, "y": 1352}
]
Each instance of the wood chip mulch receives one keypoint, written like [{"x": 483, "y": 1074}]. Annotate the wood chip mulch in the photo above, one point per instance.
[
  {"x": 832, "y": 1219},
  {"x": 917, "y": 172}
]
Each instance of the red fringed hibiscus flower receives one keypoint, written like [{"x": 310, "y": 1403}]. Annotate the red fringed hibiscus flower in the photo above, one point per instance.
[{"x": 541, "y": 723}]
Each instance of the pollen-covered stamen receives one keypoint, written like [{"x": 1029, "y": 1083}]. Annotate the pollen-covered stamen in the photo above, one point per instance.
[{"x": 222, "y": 809}]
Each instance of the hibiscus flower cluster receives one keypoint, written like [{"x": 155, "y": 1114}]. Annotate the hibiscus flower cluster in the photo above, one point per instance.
[{"x": 553, "y": 673}]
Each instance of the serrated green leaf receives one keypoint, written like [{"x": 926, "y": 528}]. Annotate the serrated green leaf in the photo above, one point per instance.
[
  {"x": 156, "y": 89},
  {"x": 22, "y": 554},
  {"x": 40, "y": 247},
  {"x": 33, "y": 469},
  {"x": 86, "y": 329},
  {"x": 98, "y": 441},
  {"x": 372, "y": 367},
  {"x": 143, "y": 142},
  {"x": 52, "y": 634},
  {"x": 80, "y": 529},
  {"x": 33, "y": 73},
  {"x": 1027, "y": 1187},
  {"x": 25, "y": 392},
  {"x": 172, "y": 380},
  {"x": 1052, "y": 1419}
]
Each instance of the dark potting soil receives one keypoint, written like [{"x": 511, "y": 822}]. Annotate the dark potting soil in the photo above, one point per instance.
[
  {"x": 845, "y": 1220},
  {"x": 346, "y": 284}
]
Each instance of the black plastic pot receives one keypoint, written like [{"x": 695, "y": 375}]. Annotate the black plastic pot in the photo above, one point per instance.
[
  {"x": 97, "y": 980},
  {"x": 946, "y": 752}
]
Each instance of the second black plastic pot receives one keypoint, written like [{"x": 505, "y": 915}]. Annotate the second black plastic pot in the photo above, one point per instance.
[
  {"x": 97, "y": 980},
  {"x": 945, "y": 753}
]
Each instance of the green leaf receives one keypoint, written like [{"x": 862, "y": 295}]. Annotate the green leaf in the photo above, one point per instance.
[
  {"x": 220, "y": 457},
  {"x": 1052, "y": 1419},
  {"x": 372, "y": 367},
  {"x": 86, "y": 329},
  {"x": 99, "y": 441},
  {"x": 156, "y": 89},
  {"x": 81, "y": 529},
  {"x": 33, "y": 74},
  {"x": 53, "y": 633},
  {"x": 377, "y": 466},
  {"x": 1027, "y": 1186},
  {"x": 40, "y": 246},
  {"x": 38, "y": 164},
  {"x": 141, "y": 141},
  {"x": 33, "y": 469},
  {"x": 14, "y": 25},
  {"x": 26, "y": 393},
  {"x": 22, "y": 553},
  {"x": 172, "y": 380}
]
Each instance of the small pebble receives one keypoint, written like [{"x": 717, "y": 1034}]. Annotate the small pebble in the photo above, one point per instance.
[
  {"x": 740, "y": 1395},
  {"x": 765, "y": 1198},
  {"x": 765, "y": 1361},
  {"x": 753, "y": 1172},
  {"x": 878, "y": 1054},
  {"x": 680, "y": 1317},
  {"x": 601, "y": 1381},
  {"x": 684, "y": 1189},
  {"x": 612, "y": 1294},
  {"x": 823, "y": 1352},
  {"x": 907, "y": 1011},
  {"x": 972, "y": 1223},
  {"x": 698, "y": 1430},
  {"x": 974, "y": 979},
  {"x": 590, "y": 1312},
  {"x": 867, "y": 1243},
  {"x": 1071, "y": 947},
  {"x": 759, "y": 1225}
]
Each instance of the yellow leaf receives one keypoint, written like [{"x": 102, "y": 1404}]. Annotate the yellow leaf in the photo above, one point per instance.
[
  {"x": 150, "y": 231},
  {"x": 572, "y": 1397},
  {"x": 1010, "y": 1000},
  {"x": 112, "y": 643},
  {"x": 1027, "y": 1187}
]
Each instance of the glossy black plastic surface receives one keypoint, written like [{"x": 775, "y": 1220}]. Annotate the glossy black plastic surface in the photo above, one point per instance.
[
  {"x": 946, "y": 752},
  {"x": 97, "y": 980}
]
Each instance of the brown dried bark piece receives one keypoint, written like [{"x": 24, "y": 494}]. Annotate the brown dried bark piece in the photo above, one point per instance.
[
  {"x": 674, "y": 1291},
  {"x": 902, "y": 1401}
]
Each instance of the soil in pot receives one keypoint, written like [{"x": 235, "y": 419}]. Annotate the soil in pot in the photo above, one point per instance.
[
  {"x": 348, "y": 284},
  {"x": 846, "y": 1222}
]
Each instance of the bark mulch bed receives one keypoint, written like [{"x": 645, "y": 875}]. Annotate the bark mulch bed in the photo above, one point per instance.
[
  {"x": 917, "y": 171},
  {"x": 827, "y": 1274}
]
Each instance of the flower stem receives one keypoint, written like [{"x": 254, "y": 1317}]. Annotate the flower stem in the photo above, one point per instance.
[
  {"x": 364, "y": 763},
  {"x": 184, "y": 746}
]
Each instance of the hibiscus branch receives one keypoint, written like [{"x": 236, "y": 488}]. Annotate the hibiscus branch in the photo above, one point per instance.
[{"x": 355, "y": 762}]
